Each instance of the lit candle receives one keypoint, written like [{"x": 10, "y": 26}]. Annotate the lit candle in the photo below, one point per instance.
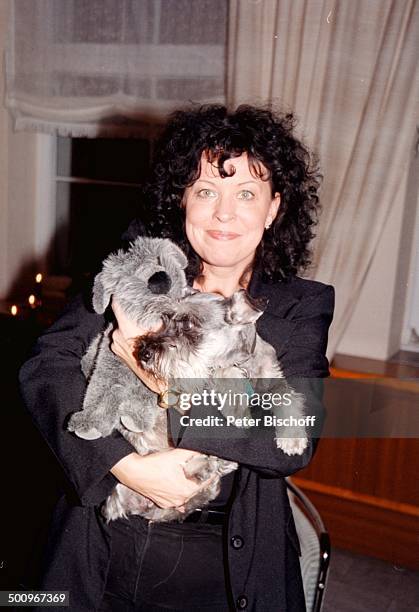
[
  {"x": 14, "y": 310},
  {"x": 38, "y": 288},
  {"x": 32, "y": 301}
]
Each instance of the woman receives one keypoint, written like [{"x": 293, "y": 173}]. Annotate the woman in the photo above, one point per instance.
[{"x": 238, "y": 193}]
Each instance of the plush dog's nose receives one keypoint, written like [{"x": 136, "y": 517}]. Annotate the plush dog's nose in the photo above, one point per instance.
[{"x": 159, "y": 282}]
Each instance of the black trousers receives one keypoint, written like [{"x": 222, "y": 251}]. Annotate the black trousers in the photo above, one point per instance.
[{"x": 166, "y": 566}]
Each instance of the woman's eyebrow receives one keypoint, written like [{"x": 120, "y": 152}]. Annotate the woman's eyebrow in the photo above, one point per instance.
[
  {"x": 238, "y": 184},
  {"x": 204, "y": 181}
]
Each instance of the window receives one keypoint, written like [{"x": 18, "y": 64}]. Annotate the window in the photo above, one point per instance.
[
  {"x": 81, "y": 68},
  {"x": 97, "y": 194}
]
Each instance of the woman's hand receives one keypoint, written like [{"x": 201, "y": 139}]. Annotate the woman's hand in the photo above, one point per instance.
[
  {"x": 123, "y": 340},
  {"x": 160, "y": 477}
]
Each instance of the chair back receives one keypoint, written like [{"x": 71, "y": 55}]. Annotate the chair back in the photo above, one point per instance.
[{"x": 314, "y": 544}]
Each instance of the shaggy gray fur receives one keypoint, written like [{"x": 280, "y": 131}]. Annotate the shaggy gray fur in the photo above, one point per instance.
[
  {"x": 211, "y": 339},
  {"x": 202, "y": 337}
]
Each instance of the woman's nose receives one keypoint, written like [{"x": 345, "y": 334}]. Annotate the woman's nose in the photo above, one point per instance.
[{"x": 225, "y": 209}]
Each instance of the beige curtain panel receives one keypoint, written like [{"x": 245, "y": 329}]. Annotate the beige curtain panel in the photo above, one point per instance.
[
  {"x": 349, "y": 70},
  {"x": 97, "y": 67}
]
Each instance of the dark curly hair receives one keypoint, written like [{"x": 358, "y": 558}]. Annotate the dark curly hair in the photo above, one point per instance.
[{"x": 267, "y": 138}]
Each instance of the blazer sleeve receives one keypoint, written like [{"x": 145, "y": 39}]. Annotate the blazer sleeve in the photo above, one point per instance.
[
  {"x": 304, "y": 363},
  {"x": 52, "y": 386}
]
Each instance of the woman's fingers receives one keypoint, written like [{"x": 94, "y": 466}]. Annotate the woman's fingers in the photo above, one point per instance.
[
  {"x": 121, "y": 346},
  {"x": 123, "y": 341},
  {"x": 118, "y": 342},
  {"x": 123, "y": 349},
  {"x": 129, "y": 328},
  {"x": 160, "y": 477}
]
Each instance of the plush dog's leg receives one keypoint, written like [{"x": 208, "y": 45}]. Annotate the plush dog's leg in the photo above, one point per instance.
[
  {"x": 290, "y": 436},
  {"x": 266, "y": 369},
  {"x": 104, "y": 394},
  {"x": 292, "y": 439},
  {"x": 138, "y": 408},
  {"x": 89, "y": 358}
]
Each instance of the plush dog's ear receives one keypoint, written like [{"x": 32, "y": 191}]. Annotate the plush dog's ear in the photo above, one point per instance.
[
  {"x": 174, "y": 252},
  {"x": 247, "y": 339},
  {"x": 106, "y": 282},
  {"x": 101, "y": 295},
  {"x": 241, "y": 310}
]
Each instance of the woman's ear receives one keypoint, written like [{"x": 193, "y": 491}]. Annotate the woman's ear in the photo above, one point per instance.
[
  {"x": 275, "y": 204},
  {"x": 273, "y": 210}
]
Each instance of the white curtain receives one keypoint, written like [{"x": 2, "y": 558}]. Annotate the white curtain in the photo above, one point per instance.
[
  {"x": 349, "y": 70},
  {"x": 100, "y": 67}
]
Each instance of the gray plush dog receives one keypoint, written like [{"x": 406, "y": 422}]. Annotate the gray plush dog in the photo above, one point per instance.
[
  {"x": 147, "y": 281},
  {"x": 201, "y": 337}
]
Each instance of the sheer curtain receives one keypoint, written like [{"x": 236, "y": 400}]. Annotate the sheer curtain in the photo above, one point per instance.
[
  {"x": 349, "y": 70},
  {"x": 89, "y": 67}
]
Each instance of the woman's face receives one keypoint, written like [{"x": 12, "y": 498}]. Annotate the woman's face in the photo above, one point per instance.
[{"x": 226, "y": 217}]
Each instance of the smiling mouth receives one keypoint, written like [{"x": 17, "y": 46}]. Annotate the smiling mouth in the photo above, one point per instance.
[{"x": 219, "y": 235}]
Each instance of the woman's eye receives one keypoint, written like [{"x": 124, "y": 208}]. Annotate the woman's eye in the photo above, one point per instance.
[
  {"x": 206, "y": 193},
  {"x": 246, "y": 195}
]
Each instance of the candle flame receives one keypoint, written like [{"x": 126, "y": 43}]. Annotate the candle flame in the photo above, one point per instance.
[
  {"x": 14, "y": 310},
  {"x": 31, "y": 299},
  {"x": 38, "y": 278}
]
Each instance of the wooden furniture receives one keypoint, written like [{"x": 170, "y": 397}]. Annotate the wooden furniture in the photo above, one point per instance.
[{"x": 367, "y": 488}]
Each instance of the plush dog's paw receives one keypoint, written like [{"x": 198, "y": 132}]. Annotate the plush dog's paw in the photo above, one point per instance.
[
  {"x": 88, "y": 434},
  {"x": 85, "y": 428},
  {"x": 82, "y": 430},
  {"x": 132, "y": 424},
  {"x": 292, "y": 446}
]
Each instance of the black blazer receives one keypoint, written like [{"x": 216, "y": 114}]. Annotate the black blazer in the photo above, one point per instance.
[{"x": 264, "y": 572}]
